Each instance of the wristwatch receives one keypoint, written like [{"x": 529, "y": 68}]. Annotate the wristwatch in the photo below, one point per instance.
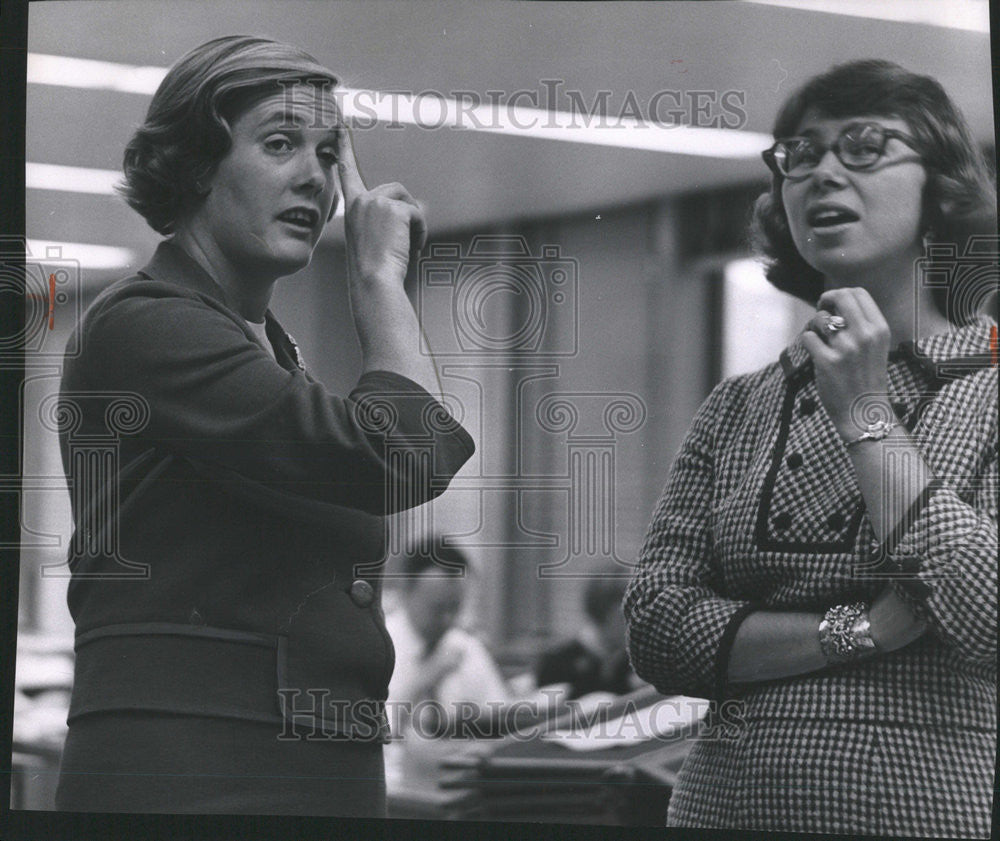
[{"x": 875, "y": 431}]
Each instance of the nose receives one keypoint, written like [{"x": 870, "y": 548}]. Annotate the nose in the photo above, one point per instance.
[
  {"x": 829, "y": 170},
  {"x": 311, "y": 176}
]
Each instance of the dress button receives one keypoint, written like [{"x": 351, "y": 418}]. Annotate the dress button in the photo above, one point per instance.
[
  {"x": 835, "y": 522},
  {"x": 807, "y": 406},
  {"x": 794, "y": 461},
  {"x": 362, "y": 593},
  {"x": 783, "y": 520}
]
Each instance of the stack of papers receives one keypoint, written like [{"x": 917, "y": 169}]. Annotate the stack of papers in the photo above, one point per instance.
[{"x": 660, "y": 720}]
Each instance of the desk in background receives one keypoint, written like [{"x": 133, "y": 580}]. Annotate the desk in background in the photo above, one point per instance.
[{"x": 529, "y": 776}]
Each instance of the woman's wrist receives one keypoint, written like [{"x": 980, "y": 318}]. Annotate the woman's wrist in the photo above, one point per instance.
[{"x": 864, "y": 413}]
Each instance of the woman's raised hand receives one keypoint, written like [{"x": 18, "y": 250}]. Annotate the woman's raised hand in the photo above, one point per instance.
[
  {"x": 384, "y": 227},
  {"x": 851, "y": 360}
]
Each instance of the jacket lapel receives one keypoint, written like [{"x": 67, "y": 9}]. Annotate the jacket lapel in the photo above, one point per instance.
[{"x": 171, "y": 264}]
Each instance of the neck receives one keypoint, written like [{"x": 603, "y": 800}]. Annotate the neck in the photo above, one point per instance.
[
  {"x": 247, "y": 292},
  {"x": 907, "y": 307}
]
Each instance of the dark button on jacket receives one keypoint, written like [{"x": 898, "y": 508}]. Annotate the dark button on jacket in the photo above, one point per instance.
[{"x": 362, "y": 593}]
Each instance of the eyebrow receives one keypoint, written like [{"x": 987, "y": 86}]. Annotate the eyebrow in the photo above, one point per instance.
[{"x": 290, "y": 119}]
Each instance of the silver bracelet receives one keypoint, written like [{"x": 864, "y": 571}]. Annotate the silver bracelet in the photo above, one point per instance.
[{"x": 845, "y": 633}]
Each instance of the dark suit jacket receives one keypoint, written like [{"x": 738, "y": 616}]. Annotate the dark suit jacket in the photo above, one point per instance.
[{"x": 236, "y": 572}]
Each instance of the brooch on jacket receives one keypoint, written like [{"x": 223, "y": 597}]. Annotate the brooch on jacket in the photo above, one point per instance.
[{"x": 299, "y": 361}]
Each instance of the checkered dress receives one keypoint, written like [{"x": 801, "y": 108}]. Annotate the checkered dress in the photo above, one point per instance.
[{"x": 762, "y": 512}]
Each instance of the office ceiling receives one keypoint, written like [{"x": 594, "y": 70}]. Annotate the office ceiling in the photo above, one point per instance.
[{"x": 472, "y": 179}]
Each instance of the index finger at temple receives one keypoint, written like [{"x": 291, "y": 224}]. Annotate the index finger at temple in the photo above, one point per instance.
[{"x": 351, "y": 181}]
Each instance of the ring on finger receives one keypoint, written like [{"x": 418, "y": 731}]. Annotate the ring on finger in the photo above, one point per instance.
[{"x": 835, "y": 323}]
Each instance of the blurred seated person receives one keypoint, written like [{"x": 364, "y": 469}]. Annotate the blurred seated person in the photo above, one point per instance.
[
  {"x": 436, "y": 660},
  {"x": 595, "y": 659}
]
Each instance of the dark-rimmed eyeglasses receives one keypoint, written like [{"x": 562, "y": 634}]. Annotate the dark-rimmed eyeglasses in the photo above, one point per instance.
[{"x": 858, "y": 146}]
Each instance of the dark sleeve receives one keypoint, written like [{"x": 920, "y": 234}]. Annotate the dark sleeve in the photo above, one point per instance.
[
  {"x": 216, "y": 396},
  {"x": 679, "y": 623}
]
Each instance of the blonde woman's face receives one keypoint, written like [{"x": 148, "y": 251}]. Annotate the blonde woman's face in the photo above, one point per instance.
[{"x": 272, "y": 194}]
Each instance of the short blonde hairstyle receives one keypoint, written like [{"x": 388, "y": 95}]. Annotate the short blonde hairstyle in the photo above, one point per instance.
[{"x": 187, "y": 130}]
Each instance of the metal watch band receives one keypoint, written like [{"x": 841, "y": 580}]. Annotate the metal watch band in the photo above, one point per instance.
[
  {"x": 845, "y": 633},
  {"x": 874, "y": 432}
]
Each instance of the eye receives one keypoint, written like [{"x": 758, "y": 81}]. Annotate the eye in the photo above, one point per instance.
[
  {"x": 328, "y": 156},
  {"x": 803, "y": 151},
  {"x": 865, "y": 139},
  {"x": 278, "y": 143}
]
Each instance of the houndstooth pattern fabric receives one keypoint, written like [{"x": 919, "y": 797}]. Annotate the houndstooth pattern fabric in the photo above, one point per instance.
[{"x": 762, "y": 512}]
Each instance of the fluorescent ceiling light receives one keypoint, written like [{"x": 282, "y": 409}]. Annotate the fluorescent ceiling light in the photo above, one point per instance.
[
  {"x": 970, "y": 15},
  {"x": 86, "y": 73},
  {"x": 88, "y": 256},
  {"x": 79, "y": 179},
  {"x": 71, "y": 179},
  {"x": 438, "y": 112},
  {"x": 434, "y": 112}
]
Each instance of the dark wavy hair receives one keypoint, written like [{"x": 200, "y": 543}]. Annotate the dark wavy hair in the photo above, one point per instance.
[
  {"x": 959, "y": 200},
  {"x": 173, "y": 154}
]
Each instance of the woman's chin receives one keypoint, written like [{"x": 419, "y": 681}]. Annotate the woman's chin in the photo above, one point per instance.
[{"x": 288, "y": 259}]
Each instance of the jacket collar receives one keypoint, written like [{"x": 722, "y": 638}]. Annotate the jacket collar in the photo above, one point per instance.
[
  {"x": 172, "y": 264},
  {"x": 961, "y": 348}
]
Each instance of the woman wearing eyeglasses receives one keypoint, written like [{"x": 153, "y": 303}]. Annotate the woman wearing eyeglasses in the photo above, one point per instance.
[{"x": 824, "y": 554}]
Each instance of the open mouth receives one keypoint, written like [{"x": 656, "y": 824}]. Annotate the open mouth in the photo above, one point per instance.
[
  {"x": 303, "y": 218},
  {"x": 830, "y": 217}
]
